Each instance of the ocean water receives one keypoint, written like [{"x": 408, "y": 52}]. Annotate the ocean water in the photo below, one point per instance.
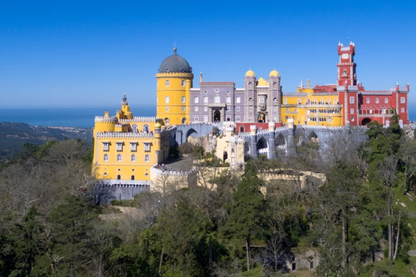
[
  {"x": 65, "y": 117},
  {"x": 77, "y": 117}
]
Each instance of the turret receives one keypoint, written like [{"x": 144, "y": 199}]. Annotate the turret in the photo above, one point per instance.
[
  {"x": 253, "y": 141},
  {"x": 272, "y": 143}
]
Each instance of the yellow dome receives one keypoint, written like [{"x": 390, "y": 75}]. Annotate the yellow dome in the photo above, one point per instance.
[
  {"x": 274, "y": 73},
  {"x": 262, "y": 83},
  {"x": 157, "y": 125},
  {"x": 250, "y": 73}
]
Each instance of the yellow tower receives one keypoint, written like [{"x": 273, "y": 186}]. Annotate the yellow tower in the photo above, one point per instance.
[{"x": 174, "y": 82}]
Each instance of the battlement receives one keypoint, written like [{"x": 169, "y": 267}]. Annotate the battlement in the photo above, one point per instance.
[
  {"x": 111, "y": 119},
  {"x": 110, "y": 135},
  {"x": 139, "y": 119}
]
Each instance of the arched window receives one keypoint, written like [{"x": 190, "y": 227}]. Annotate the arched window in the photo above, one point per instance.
[
  {"x": 329, "y": 101},
  {"x": 167, "y": 99},
  {"x": 250, "y": 100},
  {"x": 183, "y": 120},
  {"x": 167, "y": 83},
  {"x": 118, "y": 177},
  {"x": 132, "y": 177},
  {"x": 367, "y": 101},
  {"x": 335, "y": 101},
  {"x": 105, "y": 157},
  {"x": 196, "y": 100},
  {"x": 344, "y": 72},
  {"x": 241, "y": 129},
  {"x": 166, "y": 121},
  {"x": 238, "y": 118},
  {"x": 134, "y": 128},
  {"x": 133, "y": 158},
  {"x": 377, "y": 101},
  {"x": 217, "y": 99},
  {"x": 147, "y": 158},
  {"x": 167, "y": 108},
  {"x": 285, "y": 101},
  {"x": 119, "y": 157},
  {"x": 183, "y": 83},
  {"x": 299, "y": 102},
  {"x": 183, "y": 99},
  {"x": 205, "y": 99},
  {"x": 105, "y": 173},
  {"x": 330, "y": 119},
  {"x": 228, "y": 99},
  {"x": 146, "y": 128},
  {"x": 386, "y": 100},
  {"x": 238, "y": 100}
]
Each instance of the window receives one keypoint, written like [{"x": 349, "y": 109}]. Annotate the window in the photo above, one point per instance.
[
  {"x": 237, "y": 108},
  {"x": 205, "y": 99},
  {"x": 352, "y": 100},
  {"x": 134, "y": 128},
  {"x": 335, "y": 101},
  {"x": 250, "y": 100},
  {"x": 274, "y": 84},
  {"x": 238, "y": 119},
  {"x": 118, "y": 177},
  {"x": 205, "y": 92},
  {"x": 217, "y": 99},
  {"x": 330, "y": 119},
  {"x": 166, "y": 121},
  {"x": 196, "y": 100},
  {"x": 285, "y": 101},
  {"x": 367, "y": 101},
  {"x": 351, "y": 111},
  {"x": 352, "y": 119},
  {"x": 132, "y": 177},
  {"x": 299, "y": 102},
  {"x": 261, "y": 99},
  {"x": 105, "y": 173},
  {"x": 167, "y": 99},
  {"x": 377, "y": 101},
  {"x": 205, "y": 118},
  {"x": 105, "y": 157},
  {"x": 344, "y": 72},
  {"x": 183, "y": 120},
  {"x": 402, "y": 110},
  {"x": 386, "y": 100},
  {"x": 329, "y": 101},
  {"x": 183, "y": 108},
  {"x": 167, "y": 108},
  {"x": 183, "y": 83},
  {"x": 147, "y": 158},
  {"x": 196, "y": 118},
  {"x": 196, "y": 109},
  {"x": 183, "y": 99},
  {"x": 402, "y": 100},
  {"x": 147, "y": 146},
  {"x": 238, "y": 99},
  {"x": 133, "y": 158},
  {"x": 205, "y": 109},
  {"x": 228, "y": 118},
  {"x": 133, "y": 146},
  {"x": 167, "y": 83},
  {"x": 119, "y": 157},
  {"x": 228, "y": 99},
  {"x": 119, "y": 146},
  {"x": 105, "y": 146},
  {"x": 146, "y": 128},
  {"x": 250, "y": 84}
]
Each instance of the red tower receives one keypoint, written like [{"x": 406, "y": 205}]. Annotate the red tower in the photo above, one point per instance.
[{"x": 346, "y": 65}]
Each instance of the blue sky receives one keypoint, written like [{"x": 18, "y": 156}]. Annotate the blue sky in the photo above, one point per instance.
[{"x": 88, "y": 53}]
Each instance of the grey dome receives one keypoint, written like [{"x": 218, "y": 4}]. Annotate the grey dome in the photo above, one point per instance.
[{"x": 175, "y": 63}]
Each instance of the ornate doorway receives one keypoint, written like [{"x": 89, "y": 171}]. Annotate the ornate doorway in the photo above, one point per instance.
[
  {"x": 261, "y": 118},
  {"x": 216, "y": 116}
]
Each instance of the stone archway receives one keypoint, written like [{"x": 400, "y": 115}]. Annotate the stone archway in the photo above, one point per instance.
[{"x": 216, "y": 116}]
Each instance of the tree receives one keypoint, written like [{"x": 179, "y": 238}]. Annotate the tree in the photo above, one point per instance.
[{"x": 249, "y": 211}]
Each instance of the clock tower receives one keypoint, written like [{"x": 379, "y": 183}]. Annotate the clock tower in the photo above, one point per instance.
[{"x": 346, "y": 65}]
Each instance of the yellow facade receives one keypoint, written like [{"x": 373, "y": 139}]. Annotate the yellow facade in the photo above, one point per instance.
[
  {"x": 126, "y": 147},
  {"x": 173, "y": 97},
  {"x": 311, "y": 108}
]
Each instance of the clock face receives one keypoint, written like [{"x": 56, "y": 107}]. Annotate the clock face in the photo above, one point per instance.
[{"x": 345, "y": 56}]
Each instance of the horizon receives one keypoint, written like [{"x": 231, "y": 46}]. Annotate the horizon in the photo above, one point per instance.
[{"x": 88, "y": 54}]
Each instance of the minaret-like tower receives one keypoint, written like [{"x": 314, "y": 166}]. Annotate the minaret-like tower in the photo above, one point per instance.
[
  {"x": 250, "y": 96},
  {"x": 174, "y": 82},
  {"x": 346, "y": 65},
  {"x": 275, "y": 97}
]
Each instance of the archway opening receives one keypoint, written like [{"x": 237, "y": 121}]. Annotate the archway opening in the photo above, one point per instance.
[
  {"x": 313, "y": 137},
  {"x": 261, "y": 144},
  {"x": 183, "y": 120},
  {"x": 224, "y": 155},
  {"x": 217, "y": 116},
  {"x": 366, "y": 121}
]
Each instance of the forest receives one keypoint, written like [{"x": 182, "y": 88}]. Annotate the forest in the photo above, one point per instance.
[{"x": 361, "y": 220}]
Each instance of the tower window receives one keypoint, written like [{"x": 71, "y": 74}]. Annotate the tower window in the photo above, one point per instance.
[
  {"x": 134, "y": 128},
  {"x": 167, "y": 83},
  {"x": 386, "y": 100},
  {"x": 183, "y": 108},
  {"x": 105, "y": 157},
  {"x": 167, "y": 99},
  {"x": 228, "y": 99},
  {"x": 119, "y": 157},
  {"x": 132, "y": 177},
  {"x": 146, "y": 128},
  {"x": 205, "y": 99},
  {"x": 217, "y": 99},
  {"x": 196, "y": 100},
  {"x": 133, "y": 158},
  {"x": 183, "y": 99},
  {"x": 166, "y": 121},
  {"x": 285, "y": 101},
  {"x": 147, "y": 158},
  {"x": 133, "y": 146},
  {"x": 402, "y": 100},
  {"x": 183, "y": 83},
  {"x": 238, "y": 100},
  {"x": 238, "y": 108},
  {"x": 119, "y": 146},
  {"x": 377, "y": 101},
  {"x": 196, "y": 108},
  {"x": 345, "y": 73},
  {"x": 105, "y": 146},
  {"x": 196, "y": 118},
  {"x": 402, "y": 110},
  {"x": 119, "y": 177},
  {"x": 367, "y": 100},
  {"x": 167, "y": 108},
  {"x": 352, "y": 100}
]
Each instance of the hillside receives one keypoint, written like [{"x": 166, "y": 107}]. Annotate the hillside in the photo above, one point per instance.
[{"x": 14, "y": 135}]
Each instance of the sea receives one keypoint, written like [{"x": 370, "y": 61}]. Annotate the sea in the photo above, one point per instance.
[
  {"x": 65, "y": 117},
  {"x": 76, "y": 117}
]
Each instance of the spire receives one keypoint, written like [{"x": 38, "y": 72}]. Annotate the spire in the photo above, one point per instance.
[
  {"x": 124, "y": 100},
  {"x": 174, "y": 48},
  {"x": 301, "y": 83}
]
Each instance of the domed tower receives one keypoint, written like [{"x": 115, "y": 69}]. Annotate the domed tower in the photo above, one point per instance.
[{"x": 174, "y": 82}]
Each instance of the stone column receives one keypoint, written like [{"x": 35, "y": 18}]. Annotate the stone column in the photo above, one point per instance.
[
  {"x": 290, "y": 147},
  {"x": 253, "y": 141},
  {"x": 209, "y": 115},
  {"x": 272, "y": 144}
]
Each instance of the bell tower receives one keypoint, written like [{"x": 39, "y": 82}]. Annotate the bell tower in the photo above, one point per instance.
[{"x": 346, "y": 65}]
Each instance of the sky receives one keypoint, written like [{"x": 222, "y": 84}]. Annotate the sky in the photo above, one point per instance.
[{"x": 88, "y": 53}]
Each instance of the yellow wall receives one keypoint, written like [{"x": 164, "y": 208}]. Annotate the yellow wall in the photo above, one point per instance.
[
  {"x": 175, "y": 91},
  {"x": 322, "y": 113}
]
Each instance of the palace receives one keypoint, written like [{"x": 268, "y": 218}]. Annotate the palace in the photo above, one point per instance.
[{"x": 126, "y": 148}]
